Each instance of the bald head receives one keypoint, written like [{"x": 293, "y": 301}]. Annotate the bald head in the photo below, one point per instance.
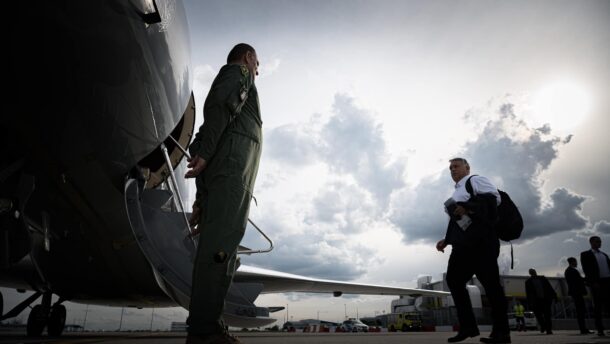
[
  {"x": 239, "y": 51},
  {"x": 244, "y": 54}
]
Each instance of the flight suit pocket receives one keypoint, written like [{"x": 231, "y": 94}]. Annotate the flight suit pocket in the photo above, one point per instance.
[
  {"x": 221, "y": 164},
  {"x": 244, "y": 159}
]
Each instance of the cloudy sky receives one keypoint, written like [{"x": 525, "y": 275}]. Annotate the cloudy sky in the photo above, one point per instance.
[{"x": 364, "y": 102}]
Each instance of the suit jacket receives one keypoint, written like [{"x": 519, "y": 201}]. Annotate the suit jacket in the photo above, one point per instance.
[
  {"x": 481, "y": 232},
  {"x": 576, "y": 284},
  {"x": 590, "y": 266},
  {"x": 530, "y": 290}
]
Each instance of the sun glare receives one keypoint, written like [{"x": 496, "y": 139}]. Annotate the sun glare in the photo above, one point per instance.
[{"x": 563, "y": 105}]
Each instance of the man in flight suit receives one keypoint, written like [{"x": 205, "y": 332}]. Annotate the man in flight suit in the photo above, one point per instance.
[
  {"x": 475, "y": 250},
  {"x": 224, "y": 160}
]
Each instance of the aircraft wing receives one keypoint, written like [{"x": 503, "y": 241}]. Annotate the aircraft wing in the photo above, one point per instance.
[{"x": 281, "y": 282}]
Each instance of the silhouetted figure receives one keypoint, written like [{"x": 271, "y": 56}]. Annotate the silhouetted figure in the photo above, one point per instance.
[
  {"x": 596, "y": 266},
  {"x": 540, "y": 296},
  {"x": 577, "y": 290},
  {"x": 475, "y": 250}
]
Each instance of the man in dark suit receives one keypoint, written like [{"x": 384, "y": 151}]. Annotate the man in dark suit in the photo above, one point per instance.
[
  {"x": 475, "y": 249},
  {"x": 540, "y": 296},
  {"x": 577, "y": 289},
  {"x": 596, "y": 266}
]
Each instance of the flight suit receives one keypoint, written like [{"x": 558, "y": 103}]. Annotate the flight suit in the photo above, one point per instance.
[{"x": 230, "y": 141}]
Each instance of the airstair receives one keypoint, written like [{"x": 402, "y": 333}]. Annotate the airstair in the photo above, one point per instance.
[{"x": 160, "y": 226}]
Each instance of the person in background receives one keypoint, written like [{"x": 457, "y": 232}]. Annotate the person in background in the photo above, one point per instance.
[
  {"x": 519, "y": 316},
  {"x": 596, "y": 266},
  {"x": 577, "y": 291},
  {"x": 540, "y": 296}
]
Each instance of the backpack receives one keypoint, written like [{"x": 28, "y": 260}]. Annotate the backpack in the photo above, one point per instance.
[{"x": 510, "y": 223}]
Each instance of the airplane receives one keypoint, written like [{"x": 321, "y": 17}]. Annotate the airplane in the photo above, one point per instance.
[{"x": 91, "y": 208}]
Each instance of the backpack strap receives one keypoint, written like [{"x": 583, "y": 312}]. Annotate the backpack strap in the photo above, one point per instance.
[
  {"x": 469, "y": 185},
  {"x": 471, "y": 192},
  {"x": 512, "y": 260}
]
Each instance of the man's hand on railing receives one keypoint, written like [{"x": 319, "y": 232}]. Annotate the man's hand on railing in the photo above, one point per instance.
[
  {"x": 194, "y": 219},
  {"x": 196, "y": 164}
]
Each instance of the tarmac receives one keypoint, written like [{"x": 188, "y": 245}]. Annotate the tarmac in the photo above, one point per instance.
[{"x": 530, "y": 337}]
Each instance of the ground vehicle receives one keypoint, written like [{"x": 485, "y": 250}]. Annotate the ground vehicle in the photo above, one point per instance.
[
  {"x": 406, "y": 321},
  {"x": 354, "y": 325},
  {"x": 530, "y": 321}
]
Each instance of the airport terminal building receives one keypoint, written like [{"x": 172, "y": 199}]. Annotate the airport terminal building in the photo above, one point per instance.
[{"x": 440, "y": 311}]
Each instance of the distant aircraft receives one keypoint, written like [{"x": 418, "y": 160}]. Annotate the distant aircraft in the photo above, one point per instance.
[{"x": 100, "y": 108}]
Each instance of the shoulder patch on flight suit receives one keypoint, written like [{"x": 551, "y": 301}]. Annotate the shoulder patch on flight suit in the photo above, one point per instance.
[
  {"x": 245, "y": 83},
  {"x": 244, "y": 70},
  {"x": 238, "y": 97}
]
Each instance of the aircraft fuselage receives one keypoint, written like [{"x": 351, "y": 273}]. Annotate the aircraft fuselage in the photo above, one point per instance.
[{"x": 96, "y": 90}]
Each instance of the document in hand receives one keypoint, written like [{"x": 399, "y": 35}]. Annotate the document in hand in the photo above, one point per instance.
[{"x": 463, "y": 221}]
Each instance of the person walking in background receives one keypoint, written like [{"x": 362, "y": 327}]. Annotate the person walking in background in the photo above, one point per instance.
[
  {"x": 475, "y": 250},
  {"x": 540, "y": 296},
  {"x": 577, "y": 290},
  {"x": 596, "y": 266},
  {"x": 519, "y": 316}
]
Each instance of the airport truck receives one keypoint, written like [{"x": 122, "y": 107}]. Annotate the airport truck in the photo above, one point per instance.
[{"x": 405, "y": 321}]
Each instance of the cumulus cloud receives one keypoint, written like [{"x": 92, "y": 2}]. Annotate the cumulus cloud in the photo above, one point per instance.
[
  {"x": 315, "y": 255},
  {"x": 353, "y": 143},
  {"x": 270, "y": 67},
  {"x": 602, "y": 228},
  {"x": 350, "y": 143},
  {"x": 292, "y": 144},
  {"x": 360, "y": 177},
  {"x": 512, "y": 155},
  {"x": 365, "y": 186},
  {"x": 203, "y": 76},
  {"x": 314, "y": 234},
  {"x": 347, "y": 207}
]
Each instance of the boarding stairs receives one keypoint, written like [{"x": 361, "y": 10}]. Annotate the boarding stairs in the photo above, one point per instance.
[{"x": 160, "y": 226}]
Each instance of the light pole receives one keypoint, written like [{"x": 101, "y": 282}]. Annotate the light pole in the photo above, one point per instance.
[
  {"x": 152, "y": 316},
  {"x": 121, "y": 322},
  {"x": 345, "y": 309},
  {"x": 85, "y": 321}
]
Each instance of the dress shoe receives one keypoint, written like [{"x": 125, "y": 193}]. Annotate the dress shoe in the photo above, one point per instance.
[
  {"x": 601, "y": 333},
  {"x": 462, "y": 336},
  {"x": 219, "y": 338},
  {"x": 502, "y": 339},
  {"x": 549, "y": 332},
  {"x": 586, "y": 332}
]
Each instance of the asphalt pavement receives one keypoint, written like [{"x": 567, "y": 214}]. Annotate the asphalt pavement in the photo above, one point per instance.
[{"x": 530, "y": 337}]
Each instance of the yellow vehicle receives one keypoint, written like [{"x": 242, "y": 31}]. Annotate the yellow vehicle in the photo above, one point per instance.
[{"x": 406, "y": 321}]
